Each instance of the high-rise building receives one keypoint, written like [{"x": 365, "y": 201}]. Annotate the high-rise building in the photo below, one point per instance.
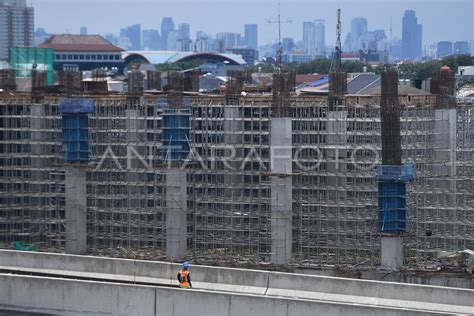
[
  {"x": 167, "y": 26},
  {"x": 444, "y": 48},
  {"x": 411, "y": 36},
  {"x": 314, "y": 38},
  {"x": 172, "y": 40},
  {"x": 251, "y": 36},
  {"x": 462, "y": 48},
  {"x": 16, "y": 26},
  {"x": 201, "y": 34},
  {"x": 359, "y": 27},
  {"x": 184, "y": 30},
  {"x": 83, "y": 30},
  {"x": 202, "y": 43},
  {"x": 347, "y": 46},
  {"x": 111, "y": 38},
  {"x": 396, "y": 48},
  {"x": 41, "y": 36},
  {"x": 151, "y": 40},
  {"x": 228, "y": 40},
  {"x": 288, "y": 44},
  {"x": 358, "y": 31},
  {"x": 135, "y": 36},
  {"x": 320, "y": 34},
  {"x": 184, "y": 45},
  {"x": 124, "y": 42},
  {"x": 308, "y": 37}
]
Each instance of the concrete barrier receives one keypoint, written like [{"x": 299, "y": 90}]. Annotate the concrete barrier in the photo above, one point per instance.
[
  {"x": 370, "y": 289},
  {"x": 242, "y": 280},
  {"x": 57, "y": 296},
  {"x": 71, "y": 297}
]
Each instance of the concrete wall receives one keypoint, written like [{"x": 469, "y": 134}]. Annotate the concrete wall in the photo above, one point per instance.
[
  {"x": 240, "y": 280},
  {"x": 57, "y": 296}
]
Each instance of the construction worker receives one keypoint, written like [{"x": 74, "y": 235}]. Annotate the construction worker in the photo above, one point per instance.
[{"x": 184, "y": 277}]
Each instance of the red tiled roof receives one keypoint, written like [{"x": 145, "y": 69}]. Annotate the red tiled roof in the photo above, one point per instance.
[
  {"x": 80, "y": 43},
  {"x": 307, "y": 78}
]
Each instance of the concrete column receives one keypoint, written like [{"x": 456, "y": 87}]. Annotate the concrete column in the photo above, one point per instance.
[
  {"x": 132, "y": 161},
  {"x": 76, "y": 211},
  {"x": 37, "y": 148},
  {"x": 445, "y": 150},
  {"x": 176, "y": 216},
  {"x": 392, "y": 253},
  {"x": 281, "y": 190},
  {"x": 337, "y": 140},
  {"x": 233, "y": 126}
]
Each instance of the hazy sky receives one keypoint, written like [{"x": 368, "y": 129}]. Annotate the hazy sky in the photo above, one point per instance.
[{"x": 442, "y": 19}]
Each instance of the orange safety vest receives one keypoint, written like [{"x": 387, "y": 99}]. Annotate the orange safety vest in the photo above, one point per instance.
[{"x": 183, "y": 275}]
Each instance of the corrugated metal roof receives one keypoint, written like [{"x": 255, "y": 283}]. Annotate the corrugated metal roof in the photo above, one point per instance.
[
  {"x": 368, "y": 83},
  {"x": 362, "y": 82},
  {"x": 162, "y": 57},
  {"x": 402, "y": 90},
  {"x": 79, "y": 43}
]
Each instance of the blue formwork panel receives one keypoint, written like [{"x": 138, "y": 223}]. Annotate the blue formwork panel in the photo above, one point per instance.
[
  {"x": 161, "y": 103},
  {"x": 392, "y": 214},
  {"x": 75, "y": 145},
  {"x": 395, "y": 173},
  {"x": 175, "y": 133},
  {"x": 76, "y": 106}
]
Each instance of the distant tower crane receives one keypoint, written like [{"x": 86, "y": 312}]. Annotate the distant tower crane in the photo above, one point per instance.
[{"x": 338, "y": 41}]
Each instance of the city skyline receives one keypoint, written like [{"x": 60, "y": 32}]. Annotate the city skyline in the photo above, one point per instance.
[{"x": 225, "y": 20}]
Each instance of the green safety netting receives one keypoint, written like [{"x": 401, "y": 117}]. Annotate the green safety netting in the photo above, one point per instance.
[{"x": 25, "y": 59}]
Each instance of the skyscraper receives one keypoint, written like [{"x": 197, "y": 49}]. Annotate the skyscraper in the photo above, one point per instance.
[
  {"x": 151, "y": 40},
  {"x": 184, "y": 45},
  {"x": 83, "y": 30},
  {"x": 184, "y": 30},
  {"x": 135, "y": 36},
  {"x": 308, "y": 38},
  {"x": 358, "y": 31},
  {"x": 461, "y": 48},
  {"x": 444, "y": 48},
  {"x": 314, "y": 38},
  {"x": 251, "y": 35},
  {"x": 172, "y": 40},
  {"x": 288, "y": 44},
  {"x": 320, "y": 33},
  {"x": 228, "y": 40},
  {"x": 16, "y": 26},
  {"x": 411, "y": 36},
  {"x": 167, "y": 26}
]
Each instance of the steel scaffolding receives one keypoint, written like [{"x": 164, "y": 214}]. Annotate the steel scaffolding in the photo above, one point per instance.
[{"x": 229, "y": 189}]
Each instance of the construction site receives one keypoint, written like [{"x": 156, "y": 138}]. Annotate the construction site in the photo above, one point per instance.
[{"x": 235, "y": 178}]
